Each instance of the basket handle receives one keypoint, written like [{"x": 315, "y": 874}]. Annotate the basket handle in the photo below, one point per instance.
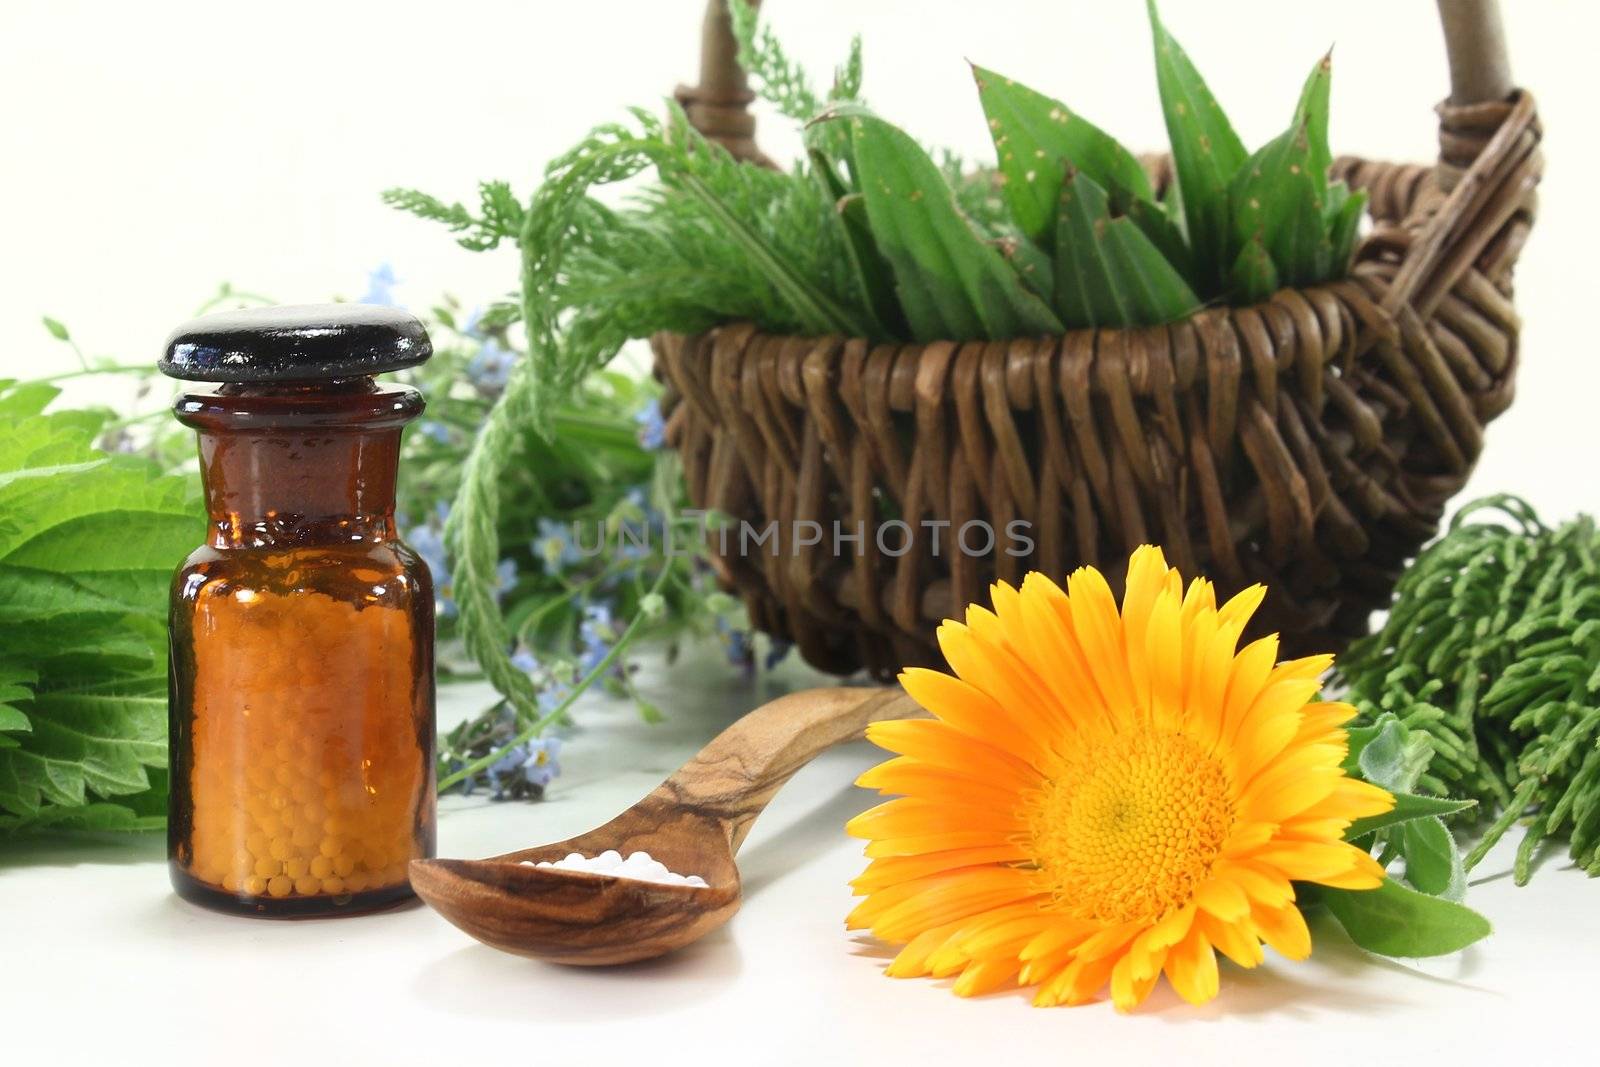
[
  {"x": 1475, "y": 45},
  {"x": 719, "y": 107}
]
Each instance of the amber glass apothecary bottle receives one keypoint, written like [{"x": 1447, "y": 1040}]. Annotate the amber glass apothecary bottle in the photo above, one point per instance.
[{"x": 302, "y": 698}]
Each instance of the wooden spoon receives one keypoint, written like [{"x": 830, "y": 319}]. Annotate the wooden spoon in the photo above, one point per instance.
[{"x": 694, "y": 822}]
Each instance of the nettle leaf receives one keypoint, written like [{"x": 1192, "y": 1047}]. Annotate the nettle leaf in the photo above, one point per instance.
[
  {"x": 951, "y": 283},
  {"x": 1393, "y": 920},
  {"x": 88, "y": 543},
  {"x": 1036, "y": 138},
  {"x": 15, "y": 686},
  {"x": 1107, "y": 272},
  {"x": 1206, "y": 153}
]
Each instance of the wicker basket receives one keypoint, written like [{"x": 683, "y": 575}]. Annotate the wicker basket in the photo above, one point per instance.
[{"x": 1310, "y": 442}]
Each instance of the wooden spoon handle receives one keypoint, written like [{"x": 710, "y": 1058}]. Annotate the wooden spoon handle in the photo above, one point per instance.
[{"x": 735, "y": 776}]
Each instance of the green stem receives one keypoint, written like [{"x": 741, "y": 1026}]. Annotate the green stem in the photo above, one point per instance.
[
  {"x": 114, "y": 368},
  {"x": 133, "y": 420},
  {"x": 560, "y": 709},
  {"x": 571, "y": 592},
  {"x": 232, "y": 295}
]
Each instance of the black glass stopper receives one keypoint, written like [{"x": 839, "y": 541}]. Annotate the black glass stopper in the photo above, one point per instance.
[{"x": 296, "y": 343}]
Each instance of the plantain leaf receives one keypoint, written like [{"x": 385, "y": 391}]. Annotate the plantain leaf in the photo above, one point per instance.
[
  {"x": 1164, "y": 229},
  {"x": 1275, "y": 200},
  {"x": 1393, "y": 920},
  {"x": 874, "y": 281},
  {"x": 1107, "y": 272},
  {"x": 1031, "y": 262},
  {"x": 1254, "y": 278},
  {"x": 1313, "y": 109},
  {"x": 951, "y": 284},
  {"x": 1342, "y": 216},
  {"x": 1281, "y": 195},
  {"x": 1206, "y": 154},
  {"x": 1036, "y": 138},
  {"x": 1172, "y": 204}
]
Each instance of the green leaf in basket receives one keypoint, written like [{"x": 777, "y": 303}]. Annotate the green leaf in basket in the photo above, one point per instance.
[
  {"x": 1275, "y": 200},
  {"x": 1031, "y": 262},
  {"x": 1165, "y": 229},
  {"x": 1393, "y": 920},
  {"x": 871, "y": 273},
  {"x": 1313, "y": 108},
  {"x": 1279, "y": 196},
  {"x": 1407, "y": 806},
  {"x": 951, "y": 283},
  {"x": 1342, "y": 215},
  {"x": 1036, "y": 138},
  {"x": 1206, "y": 153},
  {"x": 1107, "y": 272},
  {"x": 1254, "y": 277}
]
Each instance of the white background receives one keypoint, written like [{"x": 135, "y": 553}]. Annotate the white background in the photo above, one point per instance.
[{"x": 149, "y": 151}]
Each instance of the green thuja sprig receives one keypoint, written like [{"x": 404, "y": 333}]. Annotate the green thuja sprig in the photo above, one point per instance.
[{"x": 1492, "y": 651}]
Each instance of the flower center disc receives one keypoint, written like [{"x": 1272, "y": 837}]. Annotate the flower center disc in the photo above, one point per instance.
[{"x": 1131, "y": 826}]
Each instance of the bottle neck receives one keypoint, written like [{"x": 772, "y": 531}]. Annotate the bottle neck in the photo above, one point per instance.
[{"x": 288, "y": 465}]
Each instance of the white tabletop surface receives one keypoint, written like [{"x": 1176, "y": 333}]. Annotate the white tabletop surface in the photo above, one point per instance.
[{"x": 101, "y": 964}]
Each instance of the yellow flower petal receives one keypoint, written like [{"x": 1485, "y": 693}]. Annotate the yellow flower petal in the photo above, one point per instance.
[
  {"x": 1285, "y": 930},
  {"x": 1128, "y": 992},
  {"x": 963, "y": 706},
  {"x": 1235, "y": 940},
  {"x": 892, "y": 870},
  {"x": 1192, "y": 968},
  {"x": 945, "y": 898},
  {"x": 916, "y": 845},
  {"x": 1223, "y": 899},
  {"x": 933, "y": 742},
  {"x": 986, "y": 976},
  {"x": 1243, "y": 605},
  {"x": 1046, "y": 627},
  {"x": 914, "y": 778},
  {"x": 1265, "y": 886}
]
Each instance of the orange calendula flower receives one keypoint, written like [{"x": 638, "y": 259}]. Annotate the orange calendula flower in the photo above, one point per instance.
[{"x": 1103, "y": 797}]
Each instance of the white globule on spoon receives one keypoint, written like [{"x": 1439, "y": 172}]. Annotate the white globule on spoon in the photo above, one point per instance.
[{"x": 640, "y": 866}]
